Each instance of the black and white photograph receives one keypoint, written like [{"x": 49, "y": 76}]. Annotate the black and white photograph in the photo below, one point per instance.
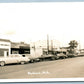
[{"x": 42, "y": 40}]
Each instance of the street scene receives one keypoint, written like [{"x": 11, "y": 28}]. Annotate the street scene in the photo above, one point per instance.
[
  {"x": 41, "y": 40},
  {"x": 67, "y": 68},
  {"x": 35, "y": 61}
]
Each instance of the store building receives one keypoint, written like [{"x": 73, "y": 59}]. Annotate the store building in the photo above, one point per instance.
[
  {"x": 39, "y": 48},
  {"x": 20, "y": 48},
  {"x": 5, "y": 47}
]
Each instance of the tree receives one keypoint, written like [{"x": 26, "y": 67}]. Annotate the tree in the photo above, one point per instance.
[{"x": 73, "y": 44}]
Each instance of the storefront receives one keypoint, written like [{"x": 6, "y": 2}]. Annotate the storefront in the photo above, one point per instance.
[
  {"x": 5, "y": 46},
  {"x": 20, "y": 48}
]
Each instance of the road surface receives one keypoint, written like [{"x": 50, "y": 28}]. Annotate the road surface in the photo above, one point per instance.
[{"x": 63, "y": 68}]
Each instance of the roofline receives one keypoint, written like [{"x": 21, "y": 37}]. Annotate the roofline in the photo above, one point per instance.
[{"x": 6, "y": 40}]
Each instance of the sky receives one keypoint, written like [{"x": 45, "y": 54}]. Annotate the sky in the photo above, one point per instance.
[{"x": 62, "y": 21}]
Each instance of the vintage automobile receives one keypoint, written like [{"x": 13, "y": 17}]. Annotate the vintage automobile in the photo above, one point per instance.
[
  {"x": 70, "y": 55},
  {"x": 61, "y": 55},
  {"x": 32, "y": 59},
  {"x": 81, "y": 54},
  {"x": 14, "y": 58}
]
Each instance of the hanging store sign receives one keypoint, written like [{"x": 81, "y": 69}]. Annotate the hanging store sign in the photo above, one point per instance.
[{"x": 4, "y": 45}]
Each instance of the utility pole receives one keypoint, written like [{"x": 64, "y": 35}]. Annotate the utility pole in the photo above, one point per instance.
[
  {"x": 48, "y": 43},
  {"x": 51, "y": 45},
  {"x": 79, "y": 45}
]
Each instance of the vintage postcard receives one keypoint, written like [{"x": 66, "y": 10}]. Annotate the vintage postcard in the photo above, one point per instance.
[{"x": 41, "y": 41}]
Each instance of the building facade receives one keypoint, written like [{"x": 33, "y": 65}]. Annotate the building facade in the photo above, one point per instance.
[
  {"x": 39, "y": 48},
  {"x": 20, "y": 48},
  {"x": 5, "y": 47}
]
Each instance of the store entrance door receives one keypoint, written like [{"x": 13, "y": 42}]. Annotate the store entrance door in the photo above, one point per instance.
[{"x": 5, "y": 53}]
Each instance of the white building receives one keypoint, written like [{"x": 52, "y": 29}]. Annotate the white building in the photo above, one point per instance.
[
  {"x": 5, "y": 47},
  {"x": 37, "y": 48}
]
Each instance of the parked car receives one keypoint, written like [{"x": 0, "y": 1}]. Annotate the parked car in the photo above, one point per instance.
[
  {"x": 81, "y": 54},
  {"x": 61, "y": 55},
  {"x": 72, "y": 55},
  {"x": 32, "y": 60},
  {"x": 14, "y": 58},
  {"x": 48, "y": 57}
]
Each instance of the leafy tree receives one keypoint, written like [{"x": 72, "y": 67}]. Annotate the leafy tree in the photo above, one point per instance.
[{"x": 73, "y": 44}]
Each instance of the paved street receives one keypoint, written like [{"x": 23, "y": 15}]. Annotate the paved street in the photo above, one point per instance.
[{"x": 63, "y": 68}]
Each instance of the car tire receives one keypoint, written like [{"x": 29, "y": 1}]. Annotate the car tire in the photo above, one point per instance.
[
  {"x": 22, "y": 62},
  {"x": 41, "y": 60},
  {"x": 52, "y": 58},
  {"x": 56, "y": 58},
  {"x": 63, "y": 57},
  {"x": 31, "y": 61},
  {"x": 2, "y": 63}
]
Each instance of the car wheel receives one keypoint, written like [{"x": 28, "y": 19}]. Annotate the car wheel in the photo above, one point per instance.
[
  {"x": 32, "y": 61},
  {"x": 52, "y": 58},
  {"x": 63, "y": 57},
  {"x": 41, "y": 60},
  {"x": 22, "y": 62},
  {"x": 57, "y": 58},
  {"x": 2, "y": 63}
]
